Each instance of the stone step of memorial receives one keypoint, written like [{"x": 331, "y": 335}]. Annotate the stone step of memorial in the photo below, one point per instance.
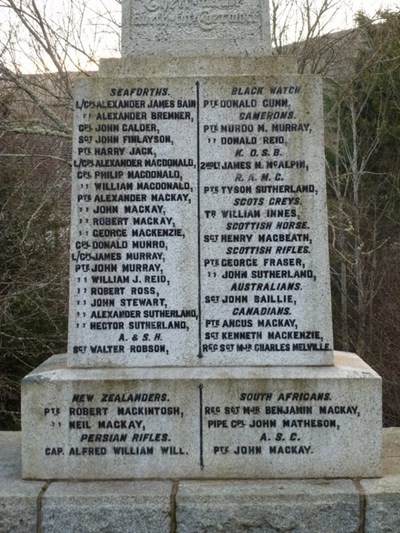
[{"x": 271, "y": 422}]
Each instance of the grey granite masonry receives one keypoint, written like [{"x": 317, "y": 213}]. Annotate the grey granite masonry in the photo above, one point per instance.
[
  {"x": 200, "y": 332},
  {"x": 193, "y": 27},
  {"x": 199, "y": 231},
  {"x": 249, "y": 506},
  {"x": 224, "y": 423},
  {"x": 121, "y": 508},
  {"x": 301, "y": 506},
  {"x": 243, "y": 231}
]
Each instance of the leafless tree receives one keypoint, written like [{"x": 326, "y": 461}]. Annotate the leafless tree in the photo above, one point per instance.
[{"x": 48, "y": 41}]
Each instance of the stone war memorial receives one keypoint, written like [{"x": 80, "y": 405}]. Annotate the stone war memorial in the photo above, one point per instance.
[{"x": 200, "y": 332}]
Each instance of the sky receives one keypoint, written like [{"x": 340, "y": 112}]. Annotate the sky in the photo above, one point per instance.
[{"x": 369, "y": 6}]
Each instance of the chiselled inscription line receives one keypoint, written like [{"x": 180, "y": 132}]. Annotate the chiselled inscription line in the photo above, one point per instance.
[
  {"x": 221, "y": 277},
  {"x": 198, "y": 215},
  {"x": 201, "y": 427}
]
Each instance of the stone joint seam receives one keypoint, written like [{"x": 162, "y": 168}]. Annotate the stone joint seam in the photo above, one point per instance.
[
  {"x": 361, "y": 494},
  {"x": 39, "y": 508},
  {"x": 172, "y": 509}
]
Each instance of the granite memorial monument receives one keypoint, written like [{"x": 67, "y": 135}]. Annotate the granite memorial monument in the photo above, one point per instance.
[{"x": 200, "y": 332}]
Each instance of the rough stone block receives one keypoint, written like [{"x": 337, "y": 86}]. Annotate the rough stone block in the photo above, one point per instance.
[
  {"x": 191, "y": 67},
  {"x": 391, "y": 451},
  {"x": 268, "y": 506},
  {"x": 18, "y": 499},
  {"x": 382, "y": 504},
  {"x": 10, "y": 455},
  {"x": 107, "y": 507}
]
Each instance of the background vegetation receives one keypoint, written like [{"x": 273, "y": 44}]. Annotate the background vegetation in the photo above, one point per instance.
[{"x": 361, "y": 69}]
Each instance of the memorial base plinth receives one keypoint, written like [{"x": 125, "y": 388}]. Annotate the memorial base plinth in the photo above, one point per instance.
[{"x": 163, "y": 423}]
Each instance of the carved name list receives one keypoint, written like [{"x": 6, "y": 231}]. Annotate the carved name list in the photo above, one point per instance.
[{"x": 199, "y": 209}]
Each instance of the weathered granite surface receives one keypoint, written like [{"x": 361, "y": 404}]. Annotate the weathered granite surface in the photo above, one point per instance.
[
  {"x": 191, "y": 67},
  {"x": 191, "y": 27},
  {"x": 250, "y": 422},
  {"x": 241, "y": 506},
  {"x": 320, "y": 505},
  {"x": 119, "y": 507},
  {"x": 199, "y": 227},
  {"x": 384, "y": 493},
  {"x": 18, "y": 499}
]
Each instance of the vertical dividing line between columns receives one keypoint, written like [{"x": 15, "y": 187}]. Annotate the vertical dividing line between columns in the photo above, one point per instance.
[
  {"x": 201, "y": 426},
  {"x": 200, "y": 355}
]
